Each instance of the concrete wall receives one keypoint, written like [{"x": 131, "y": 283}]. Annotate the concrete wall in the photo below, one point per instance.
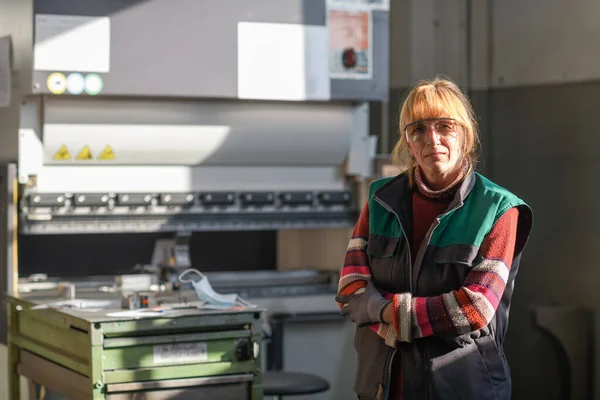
[
  {"x": 533, "y": 73},
  {"x": 545, "y": 82},
  {"x": 541, "y": 42},
  {"x": 427, "y": 37}
]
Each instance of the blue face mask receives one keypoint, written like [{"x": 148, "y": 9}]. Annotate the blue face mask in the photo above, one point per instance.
[{"x": 209, "y": 296}]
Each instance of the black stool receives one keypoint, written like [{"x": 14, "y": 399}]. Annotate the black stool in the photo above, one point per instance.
[{"x": 281, "y": 383}]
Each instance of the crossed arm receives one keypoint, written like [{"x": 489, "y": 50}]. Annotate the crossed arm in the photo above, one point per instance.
[{"x": 402, "y": 317}]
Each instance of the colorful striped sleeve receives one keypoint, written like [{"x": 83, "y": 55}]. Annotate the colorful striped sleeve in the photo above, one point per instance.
[
  {"x": 472, "y": 306},
  {"x": 356, "y": 272}
]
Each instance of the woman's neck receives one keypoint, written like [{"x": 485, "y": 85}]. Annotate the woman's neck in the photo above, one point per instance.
[
  {"x": 443, "y": 185},
  {"x": 440, "y": 182}
]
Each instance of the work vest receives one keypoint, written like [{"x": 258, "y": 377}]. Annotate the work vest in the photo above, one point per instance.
[{"x": 474, "y": 366}]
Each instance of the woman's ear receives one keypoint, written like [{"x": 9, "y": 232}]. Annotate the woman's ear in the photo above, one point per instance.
[{"x": 464, "y": 143}]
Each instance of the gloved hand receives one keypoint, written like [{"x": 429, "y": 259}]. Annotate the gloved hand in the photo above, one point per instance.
[{"x": 364, "y": 308}]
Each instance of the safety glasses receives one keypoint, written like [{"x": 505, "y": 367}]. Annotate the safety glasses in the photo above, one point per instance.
[{"x": 416, "y": 132}]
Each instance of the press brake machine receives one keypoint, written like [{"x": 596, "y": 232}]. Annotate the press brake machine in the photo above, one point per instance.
[{"x": 171, "y": 119}]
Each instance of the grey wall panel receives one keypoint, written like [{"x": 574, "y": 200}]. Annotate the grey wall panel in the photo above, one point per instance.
[
  {"x": 545, "y": 42},
  {"x": 423, "y": 37},
  {"x": 394, "y": 104},
  {"x": 481, "y": 103},
  {"x": 450, "y": 51},
  {"x": 400, "y": 28},
  {"x": 436, "y": 35},
  {"x": 189, "y": 47},
  {"x": 544, "y": 148},
  {"x": 479, "y": 48}
]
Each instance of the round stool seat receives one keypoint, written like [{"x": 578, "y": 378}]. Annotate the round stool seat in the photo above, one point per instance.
[{"x": 281, "y": 383}]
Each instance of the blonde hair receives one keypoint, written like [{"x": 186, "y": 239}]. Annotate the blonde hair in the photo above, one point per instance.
[{"x": 432, "y": 98}]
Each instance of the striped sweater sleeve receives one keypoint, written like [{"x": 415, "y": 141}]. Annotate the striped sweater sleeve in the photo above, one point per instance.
[
  {"x": 472, "y": 306},
  {"x": 356, "y": 272}
]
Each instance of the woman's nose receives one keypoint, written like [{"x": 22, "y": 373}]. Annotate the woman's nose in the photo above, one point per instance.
[{"x": 432, "y": 135}]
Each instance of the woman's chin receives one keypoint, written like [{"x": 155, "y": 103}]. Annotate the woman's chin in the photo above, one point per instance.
[{"x": 436, "y": 167}]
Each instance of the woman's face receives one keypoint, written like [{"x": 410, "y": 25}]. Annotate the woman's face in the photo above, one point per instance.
[{"x": 436, "y": 145}]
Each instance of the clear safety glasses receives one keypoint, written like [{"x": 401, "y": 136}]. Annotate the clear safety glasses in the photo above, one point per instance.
[{"x": 416, "y": 132}]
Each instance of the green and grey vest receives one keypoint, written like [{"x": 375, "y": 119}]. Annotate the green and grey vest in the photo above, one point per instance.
[{"x": 448, "y": 252}]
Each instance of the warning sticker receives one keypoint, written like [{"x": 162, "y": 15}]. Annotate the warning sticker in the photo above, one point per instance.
[
  {"x": 350, "y": 43},
  {"x": 107, "y": 154},
  {"x": 57, "y": 83},
  {"x": 62, "y": 154},
  {"x": 85, "y": 153}
]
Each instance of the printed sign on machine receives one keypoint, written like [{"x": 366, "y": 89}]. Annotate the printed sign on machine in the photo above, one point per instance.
[{"x": 350, "y": 43}]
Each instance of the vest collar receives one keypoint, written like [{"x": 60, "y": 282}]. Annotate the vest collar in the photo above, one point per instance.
[{"x": 397, "y": 195}]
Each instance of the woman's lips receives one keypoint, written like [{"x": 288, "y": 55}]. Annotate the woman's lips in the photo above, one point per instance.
[{"x": 437, "y": 155}]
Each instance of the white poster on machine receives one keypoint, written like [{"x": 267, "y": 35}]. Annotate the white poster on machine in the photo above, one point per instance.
[
  {"x": 350, "y": 41},
  {"x": 282, "y": 62}
]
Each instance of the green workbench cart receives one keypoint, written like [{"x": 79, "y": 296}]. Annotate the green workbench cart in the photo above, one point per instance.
[{"x": 98, "y": 353}]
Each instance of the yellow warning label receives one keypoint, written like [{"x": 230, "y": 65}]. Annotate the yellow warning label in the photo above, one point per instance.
[
  {"x": 107, "y": 154},
  {"x": 62, "y": 154},
  {"x": 85, "y": 153}
]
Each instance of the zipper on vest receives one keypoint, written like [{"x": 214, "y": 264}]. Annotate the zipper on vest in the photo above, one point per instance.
[
  {"x": 418, "y": 260},
  {"x": 427, "y": 238},
  {"x": 388, "y": 378},
  {"x": 409, "y": 280}
]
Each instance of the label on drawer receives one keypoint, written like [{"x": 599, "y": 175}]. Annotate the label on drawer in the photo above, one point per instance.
[{"x": 180, "y": 353}]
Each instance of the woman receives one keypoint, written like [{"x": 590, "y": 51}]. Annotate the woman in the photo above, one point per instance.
[{"x": 429, "y": 272}]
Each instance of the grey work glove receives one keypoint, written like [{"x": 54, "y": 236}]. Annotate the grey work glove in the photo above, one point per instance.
[{"x": 364, "y": 308}]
